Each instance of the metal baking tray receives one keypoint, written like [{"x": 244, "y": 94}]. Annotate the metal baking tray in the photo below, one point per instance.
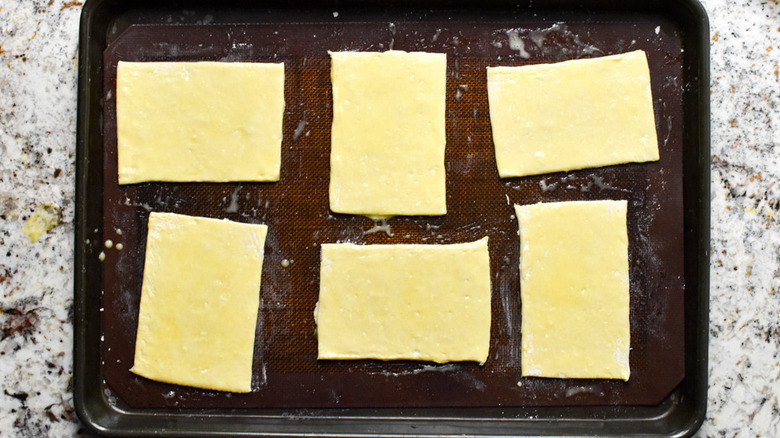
[{"x": 293, "y": 393}]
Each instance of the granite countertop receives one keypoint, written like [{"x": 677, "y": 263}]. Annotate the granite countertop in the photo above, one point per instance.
[{"x": 38, "y": 57}]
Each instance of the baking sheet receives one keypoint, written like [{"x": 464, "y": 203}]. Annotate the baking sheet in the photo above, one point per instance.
[{"x": 286, "y": 372}]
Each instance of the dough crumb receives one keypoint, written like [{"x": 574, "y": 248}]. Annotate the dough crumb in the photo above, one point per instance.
[{"x": 44, "y": 218}]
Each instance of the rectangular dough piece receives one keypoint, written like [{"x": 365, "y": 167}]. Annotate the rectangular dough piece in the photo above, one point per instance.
[
  {"x": 419, "y": 302},
  {"x": 572, "y": 115},
  {"x": 574, "y": 289},
  {"x": 388, "y": 136},
  {"x": 199, "y": 302},
  {"x": 199, "y": 121}
]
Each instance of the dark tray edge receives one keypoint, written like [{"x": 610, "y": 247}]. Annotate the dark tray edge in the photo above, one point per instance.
[{"x": 681, "y": 415}]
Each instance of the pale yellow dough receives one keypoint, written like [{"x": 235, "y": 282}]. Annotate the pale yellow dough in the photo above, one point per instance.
[
  {"x": 199, "y": 121},
  {"x": 420, "y": 302},
  {"x": 44, "y": 218},
  {"x": 388, "y": 134},
  {"x": 199, "y": 302},
  {"x": 572, "y": 115},
  {"x": 574, "y": 289}
]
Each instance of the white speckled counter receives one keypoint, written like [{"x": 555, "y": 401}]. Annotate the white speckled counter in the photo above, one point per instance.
[
  {"x": 38, "y": 51},
  {"x": 745, "y": 265}
]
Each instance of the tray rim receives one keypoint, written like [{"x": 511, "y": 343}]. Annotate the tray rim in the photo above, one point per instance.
[{"x": 680, "y": 415}]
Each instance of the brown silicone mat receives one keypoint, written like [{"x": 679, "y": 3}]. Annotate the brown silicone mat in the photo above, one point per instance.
[{"x": 286, "y": 372}]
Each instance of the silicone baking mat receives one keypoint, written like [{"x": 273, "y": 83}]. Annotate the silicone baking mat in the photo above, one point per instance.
[{"x": 286, "y": 372}]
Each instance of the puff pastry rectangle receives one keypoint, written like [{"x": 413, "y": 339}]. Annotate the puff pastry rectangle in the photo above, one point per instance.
[
  {"x": 388, "y": 135},
  {"x": 420, "y": 302},
  {"x": 199, "y": 121},
  {"x": 199, "y": 302},
  {"x": 574, "y": 289},
  {"x": 572, "y": 115}
]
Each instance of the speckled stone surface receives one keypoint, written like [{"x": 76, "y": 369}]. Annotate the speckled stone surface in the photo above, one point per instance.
[
  {"x": 38, "y": 51},
  {"x": 38, "y": 48},
  {"x": 745, "y": 265}
]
